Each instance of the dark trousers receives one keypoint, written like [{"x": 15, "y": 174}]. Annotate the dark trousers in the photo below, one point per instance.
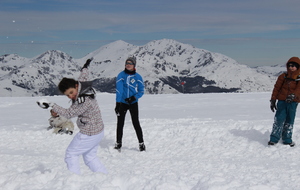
[{"x": 134, "y": 112}]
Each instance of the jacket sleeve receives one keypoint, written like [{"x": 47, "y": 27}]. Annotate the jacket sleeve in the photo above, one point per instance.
[
  {"x": 277, "y": 86},
  {"x": 84, "y": 75},
  {"x": 119, "y": 87},
  {"x": 140, "y": 88},
  {"x": 297, "y": 92},
  {"x": 74, "y": 110}
]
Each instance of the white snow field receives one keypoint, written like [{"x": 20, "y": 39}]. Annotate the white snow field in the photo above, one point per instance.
[{"x": 193, "y": 141}]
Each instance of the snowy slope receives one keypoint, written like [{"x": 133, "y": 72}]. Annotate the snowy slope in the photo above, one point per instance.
[
  {"x": 39, "y": 75},
  {"x": 107, "y": 59},
  {"x": 272, "y": 71},
  {"x": 194, "y": 142},
  {"x": 164, "y": 64}
]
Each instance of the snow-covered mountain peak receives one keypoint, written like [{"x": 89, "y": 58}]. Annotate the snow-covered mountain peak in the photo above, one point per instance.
[
  {"x": 52, "y": 56},
  {"x": 167, "y": 66},
  {"x": 12, "y": 59},
  {"x": 109, "y": 52},
  {"x": 167, "y": 46}
]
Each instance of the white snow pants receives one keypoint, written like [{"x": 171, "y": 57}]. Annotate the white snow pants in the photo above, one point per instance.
[{"x": 86, "y": 146}]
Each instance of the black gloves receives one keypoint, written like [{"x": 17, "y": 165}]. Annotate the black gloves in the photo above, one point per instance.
[
  {"x": 290, "y": 98},
  {"x": 273, "y": 105},
  {"x": 45, "y": 104},
  {"x": 117, "y": 108},
  {"x": 87, "y": 64},
  {"x": 130, "y": 99}
]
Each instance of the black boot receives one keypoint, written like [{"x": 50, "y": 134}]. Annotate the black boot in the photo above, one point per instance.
[
  {"x": 271, "y": 143},
  {"x": 292, "y": 144},
  {"x": 118, "y": 146},
  {"x": 142, "y": 147}
]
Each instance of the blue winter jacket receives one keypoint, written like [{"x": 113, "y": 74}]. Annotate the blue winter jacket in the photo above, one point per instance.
[{"x": 128, "y": 85}]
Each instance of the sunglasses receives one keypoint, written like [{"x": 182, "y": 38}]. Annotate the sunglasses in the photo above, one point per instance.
[
  {"x": 129, "y": 63},
  {"x": 291, "y": 65}
]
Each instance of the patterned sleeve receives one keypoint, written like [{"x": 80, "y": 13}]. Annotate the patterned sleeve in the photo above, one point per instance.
[
  {"x": 84, "y": 75},
  {"x": 74, "y": 110}
]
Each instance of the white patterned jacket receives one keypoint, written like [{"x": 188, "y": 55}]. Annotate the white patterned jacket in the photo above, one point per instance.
[{"x": 89, "y": 119}]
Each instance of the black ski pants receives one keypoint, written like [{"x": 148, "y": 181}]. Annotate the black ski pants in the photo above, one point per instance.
[{"x": 134, "y": 112}]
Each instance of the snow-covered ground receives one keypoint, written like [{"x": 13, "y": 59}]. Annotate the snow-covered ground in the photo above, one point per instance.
[{"x": 194, "y": 141}]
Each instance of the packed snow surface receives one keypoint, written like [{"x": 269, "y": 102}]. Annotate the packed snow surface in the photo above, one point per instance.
[{"x": 193, "y": 141}]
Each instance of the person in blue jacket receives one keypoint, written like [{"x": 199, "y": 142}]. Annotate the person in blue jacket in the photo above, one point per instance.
[{"x": 129, "y": 89}]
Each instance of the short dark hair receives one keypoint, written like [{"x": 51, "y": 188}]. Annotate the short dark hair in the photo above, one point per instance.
[{"x": 66, "y": 83}]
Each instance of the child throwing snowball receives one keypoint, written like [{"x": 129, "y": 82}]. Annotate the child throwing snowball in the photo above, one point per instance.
[{"x": 89, "y": 121}]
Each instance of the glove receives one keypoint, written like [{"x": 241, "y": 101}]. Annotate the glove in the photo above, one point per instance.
[
  {"x": 43, "y": 103},
  {"x": 290, "y": 98},
  {"x": 273, "y": 105},
  {"x": 87, "y": 64},
  {"x": 117, "y": 108},
  {"x": 130, "y": 99}
]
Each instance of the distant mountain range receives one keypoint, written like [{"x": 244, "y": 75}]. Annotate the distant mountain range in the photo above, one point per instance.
[{"x": 166, "y": 66}]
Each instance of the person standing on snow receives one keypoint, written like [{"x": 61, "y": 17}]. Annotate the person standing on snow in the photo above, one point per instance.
[
  {"x": 89, "y": 121},
  {"x": 287, "y": 92},
  {"x": 129, "y": 88}
]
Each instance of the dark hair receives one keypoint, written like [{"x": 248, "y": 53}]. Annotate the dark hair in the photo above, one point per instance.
[{"x": 66, "y": 83}]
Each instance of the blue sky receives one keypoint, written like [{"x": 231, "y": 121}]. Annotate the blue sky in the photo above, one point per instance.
[{"x": 255, "y": 33}]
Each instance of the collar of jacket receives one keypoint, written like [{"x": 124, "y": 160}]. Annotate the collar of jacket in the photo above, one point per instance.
[
  {"x": 292, "y": 75},
  {"x": 85, "y": 89},
  {"x": 130, "y": 72}
]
